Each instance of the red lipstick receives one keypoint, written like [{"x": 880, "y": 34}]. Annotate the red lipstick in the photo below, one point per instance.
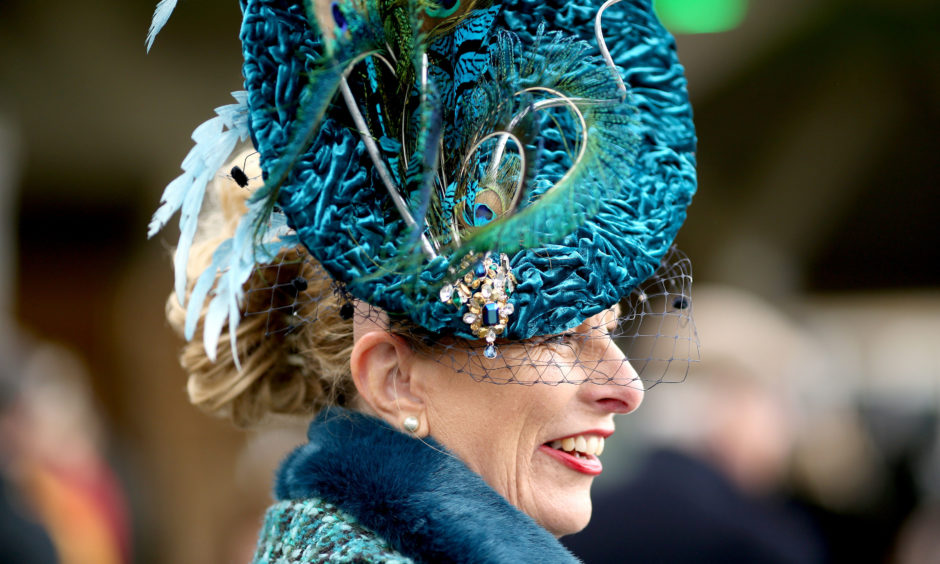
[{"x": 586, "y": 464}]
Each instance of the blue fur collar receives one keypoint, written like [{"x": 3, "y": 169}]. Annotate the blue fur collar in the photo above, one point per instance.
[{"x": 426, "y": 504}]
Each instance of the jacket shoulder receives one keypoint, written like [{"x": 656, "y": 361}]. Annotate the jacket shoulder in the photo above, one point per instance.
[{"x": 312, "y": 530}]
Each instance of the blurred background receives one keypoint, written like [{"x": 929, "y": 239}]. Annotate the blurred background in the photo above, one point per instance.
[{"x": 814, "y": 238}]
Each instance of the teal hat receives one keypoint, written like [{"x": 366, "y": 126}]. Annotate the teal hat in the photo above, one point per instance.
[{"x": 483, "y": 169}]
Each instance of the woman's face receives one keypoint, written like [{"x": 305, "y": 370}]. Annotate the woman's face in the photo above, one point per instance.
[{"x": 537, "y": 444}]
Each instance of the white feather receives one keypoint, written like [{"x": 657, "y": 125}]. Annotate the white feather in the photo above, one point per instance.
[
  {"x": 160, "y": 16},
  {"x": 215, "y": 140},
  {"x": 232, "y": 264}
]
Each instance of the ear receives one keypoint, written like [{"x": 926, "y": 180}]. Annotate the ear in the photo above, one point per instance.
[{"x": 381, "y": 365}]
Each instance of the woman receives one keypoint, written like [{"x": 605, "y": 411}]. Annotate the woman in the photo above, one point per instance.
[{"x": 477, "y": 187}]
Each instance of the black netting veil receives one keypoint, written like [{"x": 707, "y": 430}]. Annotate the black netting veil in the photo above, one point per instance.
[{"x": 647, "y": 339}]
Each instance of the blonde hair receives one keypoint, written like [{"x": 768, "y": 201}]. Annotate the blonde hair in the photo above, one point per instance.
[{"x": 287, "y": 367}]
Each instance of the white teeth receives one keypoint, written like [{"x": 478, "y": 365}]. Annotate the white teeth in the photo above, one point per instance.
[
  {"x": 580, "y": 445},
  {"x": 591, "y": 444}
]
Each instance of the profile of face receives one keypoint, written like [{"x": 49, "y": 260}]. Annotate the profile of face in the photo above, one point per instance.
[{"x": 535, "y": 444}]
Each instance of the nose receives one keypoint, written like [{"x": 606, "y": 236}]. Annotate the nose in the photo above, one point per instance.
[{"x": 612, "y": 385}]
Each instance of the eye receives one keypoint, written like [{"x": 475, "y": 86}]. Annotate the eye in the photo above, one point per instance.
[
  {"x": 569, "y": 339},
  {"x": 560, "y": 339},
  {"x": 339, "y": 18},
  {"x": 482, "y": 214},
  {"x": 444, "y": 8}
]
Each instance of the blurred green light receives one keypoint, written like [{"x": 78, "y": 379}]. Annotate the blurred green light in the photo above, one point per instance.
[{"x": 700, "y": 16}]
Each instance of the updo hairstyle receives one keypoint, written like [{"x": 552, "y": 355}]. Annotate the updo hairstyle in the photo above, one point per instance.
[{"x": 287, "y": 367}]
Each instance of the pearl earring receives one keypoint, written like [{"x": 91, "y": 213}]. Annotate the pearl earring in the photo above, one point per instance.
[{"x": 410, "y": 423}]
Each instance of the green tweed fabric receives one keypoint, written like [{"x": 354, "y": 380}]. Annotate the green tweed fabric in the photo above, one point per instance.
[{"x": 312, "y": 530}]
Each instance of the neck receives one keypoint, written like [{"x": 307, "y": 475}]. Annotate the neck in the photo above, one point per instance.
[{"x": 415, "y": 494}]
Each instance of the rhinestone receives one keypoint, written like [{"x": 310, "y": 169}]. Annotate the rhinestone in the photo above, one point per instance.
[
  {"x": 490, "y": 351},
  {"x": 486, "y": 291},
  {"x": 469, "y": 318},
  {"x": 507, "y": 309},
  {"x": 490, "y": 336},
  {"x": 480, "y": 270},
  {"x": 490, "y": 314},
  {"x": 447, "y": 292}
]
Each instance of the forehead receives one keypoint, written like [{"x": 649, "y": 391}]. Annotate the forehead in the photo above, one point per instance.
[{"x": 604, "y": 318}]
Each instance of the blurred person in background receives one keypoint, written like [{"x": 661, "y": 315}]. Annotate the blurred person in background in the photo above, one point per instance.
[
  {"x": 919, "y": 539},
  {"x": 23, "y": 539},
  {"x": 71, "y": 505},
  {"x": 719, "y": 451}
]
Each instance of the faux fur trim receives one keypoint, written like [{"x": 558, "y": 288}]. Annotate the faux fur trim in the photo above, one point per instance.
[{"x": 425, "y": 503}]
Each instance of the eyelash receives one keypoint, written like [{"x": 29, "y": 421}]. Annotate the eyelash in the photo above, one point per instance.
[{"x": 560, "y": 339}]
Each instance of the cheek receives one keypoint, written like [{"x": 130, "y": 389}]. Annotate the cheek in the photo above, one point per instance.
[{"x": 485, "y": 422}]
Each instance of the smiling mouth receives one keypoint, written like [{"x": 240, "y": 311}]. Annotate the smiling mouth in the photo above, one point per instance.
[
  {"x": 580, "y": 445},
  {"x": 578, "y": 453}
]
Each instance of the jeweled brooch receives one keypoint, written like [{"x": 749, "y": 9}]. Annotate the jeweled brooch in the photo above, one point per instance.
[{"x": 484, "y": 291}]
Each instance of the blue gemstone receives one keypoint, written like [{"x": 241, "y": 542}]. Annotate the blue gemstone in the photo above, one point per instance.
[
  {"x": 490, "y": 314},
  {"x": 479, "y": 270}
]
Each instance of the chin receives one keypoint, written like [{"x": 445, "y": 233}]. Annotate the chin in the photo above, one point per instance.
[{"x": 571, "y": 518}]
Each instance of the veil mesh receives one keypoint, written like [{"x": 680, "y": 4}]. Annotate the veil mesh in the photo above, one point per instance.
[{"x": 648, "y": 338}]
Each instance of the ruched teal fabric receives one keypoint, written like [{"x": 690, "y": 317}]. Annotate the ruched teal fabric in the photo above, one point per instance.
[{"x": 335, "y": 202}]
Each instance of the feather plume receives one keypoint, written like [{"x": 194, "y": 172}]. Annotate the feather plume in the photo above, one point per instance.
[
  {"x": 232, "y": 264},
  {"x": 215, "y": 140},
  {"x": 544, "y": 137},
  {"x": 524, "y": 84},
  {"x": 161, "y": 15}
]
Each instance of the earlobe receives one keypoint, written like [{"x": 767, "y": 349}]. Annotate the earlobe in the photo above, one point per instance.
[{"x": 381, "y": 365}]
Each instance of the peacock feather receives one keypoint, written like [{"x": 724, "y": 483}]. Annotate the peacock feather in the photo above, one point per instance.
[
  {"x": 510, "y": 174},
  {"x": 532, "y": 96}
]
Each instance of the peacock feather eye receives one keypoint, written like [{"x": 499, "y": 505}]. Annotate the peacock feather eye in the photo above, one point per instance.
[
  {"x": 482, "y": 214},
  {"x": 340, "y": 19},
  {"x": 443, "y": 9}
]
